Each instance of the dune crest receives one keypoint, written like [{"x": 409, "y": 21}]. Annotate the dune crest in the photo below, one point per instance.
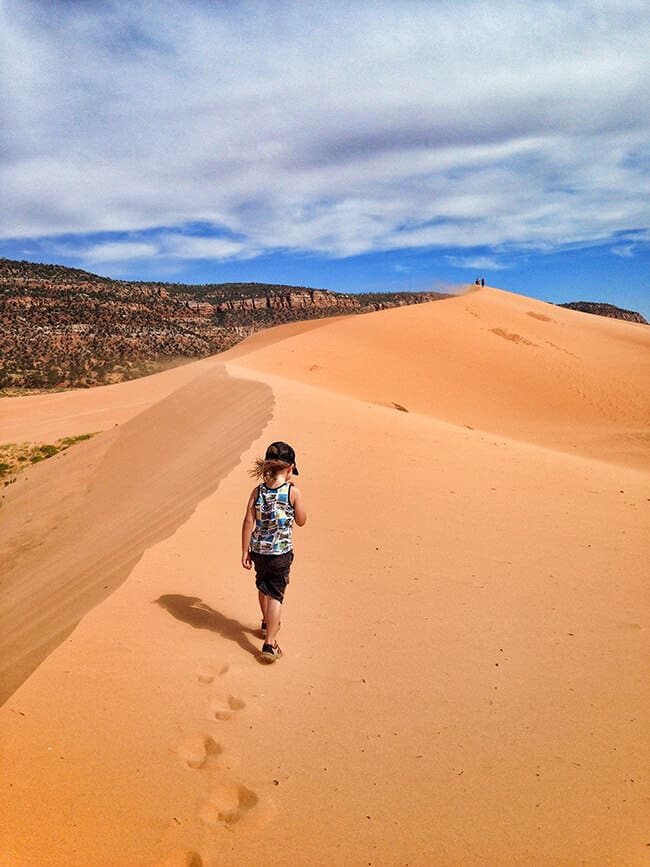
[
  {"x": 493, "y": 361},
  {"x": 78, "y": 532}
]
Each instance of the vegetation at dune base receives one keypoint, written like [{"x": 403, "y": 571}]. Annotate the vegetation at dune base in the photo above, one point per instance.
[{"x": 15, "y": 457}]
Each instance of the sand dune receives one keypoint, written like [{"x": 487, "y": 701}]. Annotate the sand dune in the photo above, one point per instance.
[
  {"x": 119, "y": 494},
  {"x": 465, "y": 632},
  {"x": 78, "y": 411},
  {"x": 493, "y": 361}
]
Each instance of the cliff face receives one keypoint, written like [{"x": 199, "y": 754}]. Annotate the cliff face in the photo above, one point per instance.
[
  {"x": 605, "y": 310},
  {"x": 63, "y": 327},
  {"x": 297, "y": 299}
]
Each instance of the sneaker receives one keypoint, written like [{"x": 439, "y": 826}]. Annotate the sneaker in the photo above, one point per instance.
[{"x": 270, "y": 652}]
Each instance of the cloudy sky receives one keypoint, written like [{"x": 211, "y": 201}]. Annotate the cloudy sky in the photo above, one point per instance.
[{"x": 347, "y": 145}]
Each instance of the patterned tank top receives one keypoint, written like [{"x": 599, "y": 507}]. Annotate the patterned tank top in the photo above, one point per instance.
[{"x": 273, "y": 520}]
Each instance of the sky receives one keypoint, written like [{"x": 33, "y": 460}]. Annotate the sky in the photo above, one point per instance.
[{"x": 356, "y": 146}]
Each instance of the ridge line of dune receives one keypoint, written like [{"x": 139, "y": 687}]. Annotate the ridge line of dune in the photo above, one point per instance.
[
  {"x": 156, "y": 468},
  {"x": 489, "y": 360}
]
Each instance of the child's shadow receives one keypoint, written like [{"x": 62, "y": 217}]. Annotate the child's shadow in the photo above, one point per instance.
[{"x": 190, "y": 609}]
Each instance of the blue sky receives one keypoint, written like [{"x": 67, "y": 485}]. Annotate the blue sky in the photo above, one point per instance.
[{"x": 350, "y": 146}]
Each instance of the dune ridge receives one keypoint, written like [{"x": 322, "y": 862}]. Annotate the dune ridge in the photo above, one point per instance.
[
  {"x": 494, "y": 361},
  {"x": 465, "y": 632},
  {"x": 122, "y": 493},
  {"x": 85, "y": 410}
]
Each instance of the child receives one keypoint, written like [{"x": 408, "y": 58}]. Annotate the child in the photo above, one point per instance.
[{"x": 266, "y": 536}]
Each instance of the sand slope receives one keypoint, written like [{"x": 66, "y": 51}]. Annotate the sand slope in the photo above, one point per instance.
[
  {"x": 465, "y": 631},
  {"x": 494, "y": 361},
  {"x": 80, "y": 525}
]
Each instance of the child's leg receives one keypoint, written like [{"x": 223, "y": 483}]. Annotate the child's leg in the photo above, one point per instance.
[
  {"x": 262, "y": 598},
  {"x": 272, "y": 617}
]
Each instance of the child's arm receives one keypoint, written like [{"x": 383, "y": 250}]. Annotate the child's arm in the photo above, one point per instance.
[
  {"x": 247, "y": 527},
  {"x": 300, "y": 515}
]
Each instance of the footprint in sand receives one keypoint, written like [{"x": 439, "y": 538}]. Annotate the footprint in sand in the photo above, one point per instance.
[
  {"x": 193, "y": 751},
  {"x": 510, "y": 335},
  {"x": 223, "y": 706},
  {"x": 231, "y": 804},
  {"x": 181, "y": 858},
  {"x": 207, "y": 673}
]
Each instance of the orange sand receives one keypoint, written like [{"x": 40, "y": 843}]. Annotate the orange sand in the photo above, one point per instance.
[{"x": 465, "y": 632}]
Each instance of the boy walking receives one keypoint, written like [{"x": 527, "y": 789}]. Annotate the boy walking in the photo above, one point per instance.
[{"x": 267, "y": 536}]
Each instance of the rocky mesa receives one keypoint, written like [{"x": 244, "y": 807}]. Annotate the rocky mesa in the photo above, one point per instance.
[{"x": 601, "y": 309}]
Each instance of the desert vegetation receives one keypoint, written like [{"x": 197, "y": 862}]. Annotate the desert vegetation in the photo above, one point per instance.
[{"x": 15, "y": 457}]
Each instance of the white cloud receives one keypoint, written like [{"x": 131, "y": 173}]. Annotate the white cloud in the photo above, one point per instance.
[
  {"x": 189, "y": 247},
  {"x": 480, "y": 263},
  {"x": 165, "y": 246},
  {"x": 626, "y": 251},
  {"x": 338, "y": 128},
  {"x": 115, "y": 251}
]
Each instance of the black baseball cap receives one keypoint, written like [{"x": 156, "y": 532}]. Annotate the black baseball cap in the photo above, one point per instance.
[{"x": 282, "y": 452}]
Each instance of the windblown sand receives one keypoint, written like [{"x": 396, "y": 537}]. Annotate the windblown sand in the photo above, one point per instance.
[{"x": 465, "y": 631}]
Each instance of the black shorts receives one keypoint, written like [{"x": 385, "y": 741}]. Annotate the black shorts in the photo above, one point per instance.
[{"x": 272, "y": 573}]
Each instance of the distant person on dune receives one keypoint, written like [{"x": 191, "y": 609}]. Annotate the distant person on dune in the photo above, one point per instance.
[{"x": 266, "y": 537}]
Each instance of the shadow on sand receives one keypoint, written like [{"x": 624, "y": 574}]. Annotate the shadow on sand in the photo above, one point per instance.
[{"x": 191, "y": 610}]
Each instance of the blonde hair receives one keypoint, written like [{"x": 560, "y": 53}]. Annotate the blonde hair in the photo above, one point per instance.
[{"x": 267, "y": 470}]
